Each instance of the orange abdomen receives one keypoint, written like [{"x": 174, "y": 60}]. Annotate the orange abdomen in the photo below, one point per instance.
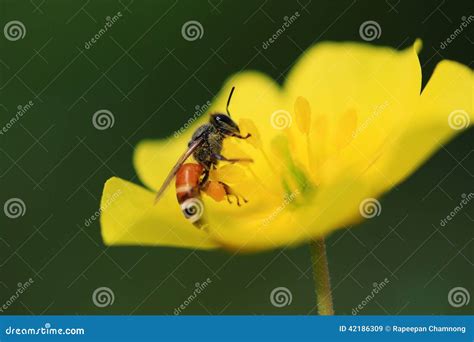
[
  {"x": 187, "y": 181},
  {"x": 188, "y": 192}
]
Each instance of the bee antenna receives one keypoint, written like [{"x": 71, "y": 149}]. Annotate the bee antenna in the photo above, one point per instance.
[{"x": 228, "y": 101}]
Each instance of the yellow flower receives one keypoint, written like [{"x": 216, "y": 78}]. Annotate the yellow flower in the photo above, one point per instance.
[{"x": 349, "y": 123}]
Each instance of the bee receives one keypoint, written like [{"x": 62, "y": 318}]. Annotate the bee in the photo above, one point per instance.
[
  {"x": 191, "y": 178},
  {"x": 189, "y": 188}
]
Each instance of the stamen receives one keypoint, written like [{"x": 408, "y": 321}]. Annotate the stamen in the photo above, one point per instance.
[
  {"x": 298, "y": 176},
  {"x": 303, "y": 121},
  {"x": 303, "y": 114}
]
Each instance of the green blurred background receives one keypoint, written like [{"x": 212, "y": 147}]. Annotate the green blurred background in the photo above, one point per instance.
[{"x": 151, "y": 79}]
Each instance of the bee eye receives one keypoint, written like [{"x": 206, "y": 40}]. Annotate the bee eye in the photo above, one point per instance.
[{"x": 223, "y": 119}]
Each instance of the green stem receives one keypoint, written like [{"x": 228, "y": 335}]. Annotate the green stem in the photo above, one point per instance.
[{"x": 322, "y": 283}]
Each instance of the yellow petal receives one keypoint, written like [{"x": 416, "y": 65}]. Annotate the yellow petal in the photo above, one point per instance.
[
  {"x": 345, "y": 129},
  {"x": 291, "y": 221},
  {"x": 153, "y": 159},
  {"x": 378, "y": 86},
  {"x": 229, "y": 173},
  {"x": 129, "y": 217},
  {"x": 444, "y": 110},
  {"x": 333, "y": 77},
  {"x": 247, "y": 126}
]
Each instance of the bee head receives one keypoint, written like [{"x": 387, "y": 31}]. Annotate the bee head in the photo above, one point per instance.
[{"x": 224, "y": 124}]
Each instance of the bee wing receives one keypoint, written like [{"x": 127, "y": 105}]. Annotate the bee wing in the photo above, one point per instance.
[{"x": 176, "y": 167}]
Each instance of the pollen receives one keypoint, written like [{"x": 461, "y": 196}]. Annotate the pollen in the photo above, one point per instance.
[{"x": 215, "y": 190}]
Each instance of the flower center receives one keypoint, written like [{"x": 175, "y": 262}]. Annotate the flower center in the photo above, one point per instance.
[
  {"x": 297, "y": 159},
  {"x": 293, "y": 177}
]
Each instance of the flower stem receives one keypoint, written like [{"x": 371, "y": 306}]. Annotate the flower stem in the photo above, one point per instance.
[{"x": 322, "y": 283}]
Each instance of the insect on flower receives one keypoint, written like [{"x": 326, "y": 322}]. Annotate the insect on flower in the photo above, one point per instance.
[
  {"x": 192, "y": 178},
  {"x": 352, "y": 112}
]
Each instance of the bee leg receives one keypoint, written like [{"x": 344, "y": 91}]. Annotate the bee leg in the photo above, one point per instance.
[
  {"x": 241, "y": 137},
  {"x": 205, "y": 178},
  {"x": 232, "y": 160},
  {"x": 229, "y": 192}
]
